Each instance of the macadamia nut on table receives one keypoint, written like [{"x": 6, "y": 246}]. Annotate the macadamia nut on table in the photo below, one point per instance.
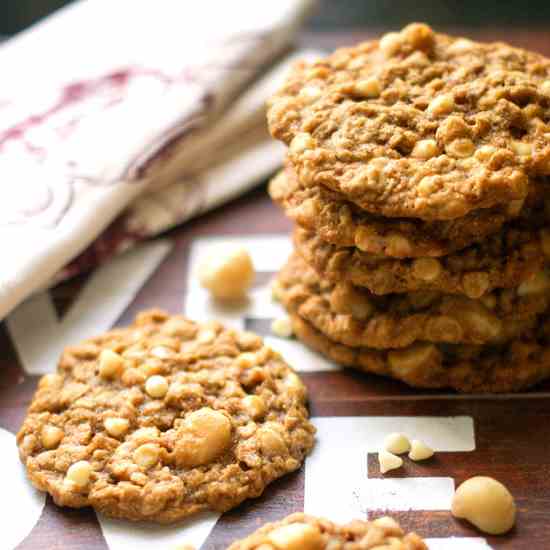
[{"x": 227, "y": 272}]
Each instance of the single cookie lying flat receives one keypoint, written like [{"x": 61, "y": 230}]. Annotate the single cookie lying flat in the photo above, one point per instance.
[
  {"x": 303, "y": 532},
  {"x": 516, "y": 365},
  {"x": 418, "y": 124},
  {"x": 340, "y": 222},
  {"x": 357, "y": 318},
  {"x": 501, "y": 261},
  {"x": 164, "y": 419}
]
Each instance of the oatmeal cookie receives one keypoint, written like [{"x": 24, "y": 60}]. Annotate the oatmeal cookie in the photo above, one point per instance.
[
  {"x": 504, "y": 260},
  {"x": 164, "y": 419},
  {"x": 513, "y": 366},
  {"x": 357, "y": 318},
  {"x": 418, "y": 124},
  {"x": 341, "y": 222},
  {"x": 300, "y": 531}
]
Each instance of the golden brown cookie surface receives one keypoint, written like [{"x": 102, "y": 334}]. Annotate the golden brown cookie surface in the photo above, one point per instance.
[
  {"x": 340, "y": 222},
  {"x": 304, "y": 532},
  {"x": 357, "y": 318},
  {"x": 514, "y": 366},
  {"x": 501, "y": 261},
  {"x": 419, "y": 124},
  {"x": 164, "y": 419}
]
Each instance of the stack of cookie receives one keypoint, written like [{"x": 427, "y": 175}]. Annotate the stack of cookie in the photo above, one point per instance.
[{"x": 416, "y": 174}]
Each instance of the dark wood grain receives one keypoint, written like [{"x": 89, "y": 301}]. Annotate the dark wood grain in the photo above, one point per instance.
[{"x": 511, "y": 433}]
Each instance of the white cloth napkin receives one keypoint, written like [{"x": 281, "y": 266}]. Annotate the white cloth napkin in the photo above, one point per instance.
[
  {"x": 225, "y": 159},
  {"x": 106, "y": 101}
]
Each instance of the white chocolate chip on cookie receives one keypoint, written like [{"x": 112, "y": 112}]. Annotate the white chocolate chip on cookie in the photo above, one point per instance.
[{"x": 110, "y": 364}]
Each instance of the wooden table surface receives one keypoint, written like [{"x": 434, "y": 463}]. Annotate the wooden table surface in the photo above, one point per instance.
[{"x": 511, "y": 433}]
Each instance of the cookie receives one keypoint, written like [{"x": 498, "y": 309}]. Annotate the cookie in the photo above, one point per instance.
[
  {"x": 504, "y": 260},
  {"x": 514, "y": 366},
  {"x": 340, "y": 222},
  {"x": 418, "y": 124},
  {"x": 164, "y": 419},
  {"x": 300, "y": 531},
  {"x": 357, "y": 318}
]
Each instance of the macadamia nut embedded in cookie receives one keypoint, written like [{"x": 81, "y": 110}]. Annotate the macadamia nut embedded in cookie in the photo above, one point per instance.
[{"x": 227, "y": 272}]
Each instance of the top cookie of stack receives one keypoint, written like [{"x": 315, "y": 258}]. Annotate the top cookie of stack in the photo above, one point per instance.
[
  {"x": 418, "y": 124},
  {"x": 419, "y": 163}
]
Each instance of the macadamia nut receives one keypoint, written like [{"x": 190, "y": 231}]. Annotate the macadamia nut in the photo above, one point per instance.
[
  {"x": 397, "y": 443},
  {"x": 419, "y": 450},
  {"x": 282, "y": 327},
  {"x": 204, "y": 435},
  {"x": 227, "y": 273},
  {"x": 389, "y": 461},
  {"x": 486, "y": 503}
]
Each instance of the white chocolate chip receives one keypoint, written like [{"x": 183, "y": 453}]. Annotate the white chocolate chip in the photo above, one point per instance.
[
  {"x": 247, "y": 360},
  {"x": 296, "y": 536},
  {"x": 545, "y": 88},
  {"x": 441, "y": 105},
  {"x": 369, "y": 87},
  {"x": 116, "y": 426},
  {"x": 419, "y": 450},
  {"x": 485, "y": 152},
  {"x": 309, "y": 94},
  {"x": 391, "y": 43},
  {"x": 156, "y": 386},
  {"x": 227, "y": 273},
  {"x": 110, "y": 364},
  {"x": 460, "y": 148},
  {"x": 426, "y": 269},
  {"x": 301, "y": 142},
  {"x": 271, "y": 440},
  {"x": 425, "y": 149},
  {"x": 397, "y": 443},
  {"x": 146, "y": 455},
  {"x": 389, "y": 461},
  {"x": 254, "y": 405},
  {"x": 161, "y": 352},
  {"x": 51, "y": 436},
  {"x": 276, "y": 290},
  {"x": 79, "y": 473},
  {"x": 486, "y": 503},
  {"x": 282, "y": 327},
  {"x": 295, "y": 385},
  {"x": 522, "y": 149}
]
